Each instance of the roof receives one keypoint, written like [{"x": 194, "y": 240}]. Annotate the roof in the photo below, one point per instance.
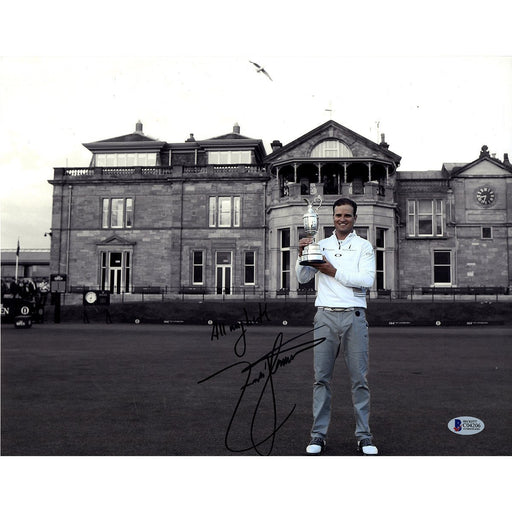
[
  {"x": 229, "y": 136},
  {"x": 450, "y": 166},
  {"x": 27, "y": 256},
  {"x": 367, "y": 142},
  {"x": 460, "y": 168},
  {"x": 130, "y": 137},
  {"x": 421, "y": 175},
  {"x": 131, "y": 142}
]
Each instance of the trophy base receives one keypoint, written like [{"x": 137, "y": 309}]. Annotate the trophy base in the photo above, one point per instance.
[
  {"x": 311, "y": 262},
  {"x": 312, "y": 254}
]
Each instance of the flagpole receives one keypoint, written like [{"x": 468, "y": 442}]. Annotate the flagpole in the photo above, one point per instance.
[{"x": 17, "y": 258}]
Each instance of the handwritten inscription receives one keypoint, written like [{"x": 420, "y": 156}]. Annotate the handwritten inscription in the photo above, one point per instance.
[
  {"x": 220, "y": 329},
  {"x": 259, "y": 379}
]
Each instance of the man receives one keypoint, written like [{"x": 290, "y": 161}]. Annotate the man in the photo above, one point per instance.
[{"x": 347, "y": 271}]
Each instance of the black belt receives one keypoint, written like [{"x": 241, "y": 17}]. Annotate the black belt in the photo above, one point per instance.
[{"x": 336, "y": 310}]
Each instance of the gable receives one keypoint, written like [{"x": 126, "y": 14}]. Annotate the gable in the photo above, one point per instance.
[
  {"x": 359, "y": 146},
  {"x": 116, "y": 240},
  {"x": 485, "y": 167}
]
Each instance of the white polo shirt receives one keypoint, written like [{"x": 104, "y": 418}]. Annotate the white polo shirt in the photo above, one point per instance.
[{"x": 354, "y": 260}]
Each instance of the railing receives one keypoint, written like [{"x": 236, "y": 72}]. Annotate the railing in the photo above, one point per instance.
[
  {"x": 194, "y": 293},
  {"x": 368, "y": 190},
  {"x": 156, "y": 171},
  {"x": 79, "y": 172},
  {"x": 208, "y": 170}
]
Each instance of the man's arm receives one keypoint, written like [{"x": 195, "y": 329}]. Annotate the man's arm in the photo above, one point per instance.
[
  {"x": 304, "y": 273},
  {"x": 364, "y": 275}
]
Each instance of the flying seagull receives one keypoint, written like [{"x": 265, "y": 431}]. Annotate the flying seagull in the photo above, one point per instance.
[{"x": 260, "y": 69}]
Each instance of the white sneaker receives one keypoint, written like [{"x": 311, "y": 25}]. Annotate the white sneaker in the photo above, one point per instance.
[
  {"x": 316, "y": 446},
  {"x": 366, "y": 447}
]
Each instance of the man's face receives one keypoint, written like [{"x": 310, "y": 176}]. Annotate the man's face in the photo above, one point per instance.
[{"x": 344, "y": 220}]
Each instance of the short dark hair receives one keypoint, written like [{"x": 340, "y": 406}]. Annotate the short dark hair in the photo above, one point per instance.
[{"x": 345, "y": 200}]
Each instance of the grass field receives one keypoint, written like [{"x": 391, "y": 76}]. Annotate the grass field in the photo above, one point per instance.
[{"x": 125, "y": 389}]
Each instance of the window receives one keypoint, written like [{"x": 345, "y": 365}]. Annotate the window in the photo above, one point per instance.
[
  {"x": 117, "y": 212},
  {"x": 197, "y": 267},
  {"x": 229, "y": 157},
  {"x": 442, "y": 268},
  {"x": 224, "y": 212},
  {"x": 125, "y": 159},
  {"x": 284, "y": 235},
  {"x": 425, "y": 217},
  {"x": 380, "y": 257},
  {"x": 486, "y": 233},
  {"x": 331, "y": 149},
  {"x": 362, "y": 232},
  {"x": 249, "y": 268}
]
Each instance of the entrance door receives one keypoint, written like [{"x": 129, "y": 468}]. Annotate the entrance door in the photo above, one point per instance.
[
  {"x": 116, "y": 265},
  {"x": 115, "y": 269},
  {"x": 223, "y": 272}
]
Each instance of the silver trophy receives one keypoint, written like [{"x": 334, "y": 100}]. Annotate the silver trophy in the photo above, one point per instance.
[{"x": 312, "y": 252}]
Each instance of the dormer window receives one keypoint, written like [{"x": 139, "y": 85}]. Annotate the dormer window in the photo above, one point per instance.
[
  {"x": 331, "y": 149},
  {"x": 229, "y": 157},
  {"x": 125, "y": 159}
]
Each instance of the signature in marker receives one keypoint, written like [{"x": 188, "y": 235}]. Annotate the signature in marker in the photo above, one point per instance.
[{"x": 259, "y": 381}]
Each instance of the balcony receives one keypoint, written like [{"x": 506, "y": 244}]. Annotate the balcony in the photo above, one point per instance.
[
  {"x": 175, "y": 172},
  {"x": 369, "y": 191},
  {"x": 108, "y": 173}
]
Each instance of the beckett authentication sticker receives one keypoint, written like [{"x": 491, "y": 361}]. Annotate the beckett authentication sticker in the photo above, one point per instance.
[{"x": 466, "y": 425}]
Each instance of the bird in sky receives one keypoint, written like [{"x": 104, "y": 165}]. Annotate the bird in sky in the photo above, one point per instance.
[{"x": 260, "y": 69}]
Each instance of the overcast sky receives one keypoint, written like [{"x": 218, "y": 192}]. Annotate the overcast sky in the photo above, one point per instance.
[
  {"x": 432, "y": 104},
  {"x": 431, "y": 110}
]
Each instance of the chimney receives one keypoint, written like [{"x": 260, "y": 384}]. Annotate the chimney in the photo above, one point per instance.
[
  {"x": 276, "y": 144},
  {"x": 383, "y": 142},
  {"x": 236, "y": 128},
  {"x": 506, "y": 161},
  {"x": 138, "y": 127},
  {"x": 191, "y": 138}
]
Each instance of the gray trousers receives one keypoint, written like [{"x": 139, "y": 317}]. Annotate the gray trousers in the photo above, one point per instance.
[{"x": 345, "y": 332}]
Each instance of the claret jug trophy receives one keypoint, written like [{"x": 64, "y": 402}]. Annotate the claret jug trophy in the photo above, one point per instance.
[{"x": 312, "y": 252}]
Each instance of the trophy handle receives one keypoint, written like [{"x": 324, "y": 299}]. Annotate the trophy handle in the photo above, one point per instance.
[{"x": 311, "y": 203}]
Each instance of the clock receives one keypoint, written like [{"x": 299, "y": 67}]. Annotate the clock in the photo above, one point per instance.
[
  {"x": 90, "y": 297},
  {"x": 485, "y": 195}
]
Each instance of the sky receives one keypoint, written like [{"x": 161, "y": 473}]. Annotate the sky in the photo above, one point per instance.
[
  {"x": 435, "y": 81},
  {"x": 431, "y": 109}
]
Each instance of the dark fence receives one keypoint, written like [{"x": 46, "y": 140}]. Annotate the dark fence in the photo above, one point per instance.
[{"x": 204, "y": 293}]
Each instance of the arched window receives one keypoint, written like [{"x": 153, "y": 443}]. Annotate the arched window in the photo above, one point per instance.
[{"x": 331, "y": 149}]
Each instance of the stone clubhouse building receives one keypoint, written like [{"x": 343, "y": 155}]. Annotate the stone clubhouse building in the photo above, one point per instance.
[{"x": 222, "y": 217}]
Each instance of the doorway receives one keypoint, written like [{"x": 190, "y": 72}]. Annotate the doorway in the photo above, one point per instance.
[{"x": 223, "y": 272}]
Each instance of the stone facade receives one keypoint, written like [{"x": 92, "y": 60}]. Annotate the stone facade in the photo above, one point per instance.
[{"x": 223, "y": 217}]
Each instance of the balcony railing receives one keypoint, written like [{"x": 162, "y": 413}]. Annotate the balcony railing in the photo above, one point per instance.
[
  {"x": 224, "y": 170},
  {"x": 81, "y": 172},
  {"x": 367, "y": 191},
  {"x": 191, "y": 171}
]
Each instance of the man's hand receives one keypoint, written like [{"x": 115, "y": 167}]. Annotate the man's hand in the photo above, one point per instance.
[
  {"x": 303, "y": 242},
  {"x": 325, "y": 268}
]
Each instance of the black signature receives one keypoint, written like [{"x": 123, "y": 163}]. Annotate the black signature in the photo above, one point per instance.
[
  {"x": 282, "y": 354},
  {"x": 220, "y": 329}
]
